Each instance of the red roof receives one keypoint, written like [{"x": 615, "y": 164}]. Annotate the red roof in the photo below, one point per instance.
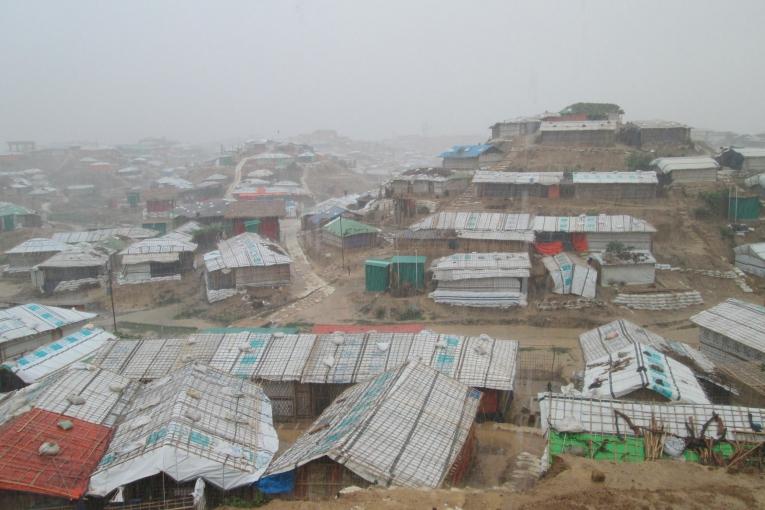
[
  {"x": 65, "y": 475},
  {"x": 323, "y": 329}
]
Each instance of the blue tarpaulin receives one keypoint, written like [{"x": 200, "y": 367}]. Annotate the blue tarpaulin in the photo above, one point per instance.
[{"x": 281, "y": 483}]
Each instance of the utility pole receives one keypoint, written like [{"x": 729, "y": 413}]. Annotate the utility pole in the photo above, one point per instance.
[
  {"x": 111, "y": 296},
  {"x": 342, "y": 241}
]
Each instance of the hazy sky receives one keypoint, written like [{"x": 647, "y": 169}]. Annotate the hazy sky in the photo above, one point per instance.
[{"x": 111, "y": 71}]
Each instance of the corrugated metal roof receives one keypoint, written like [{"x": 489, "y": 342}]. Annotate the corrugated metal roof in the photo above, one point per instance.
[
  {"x": 738, "y": 320},
  {"x": 667, "y": 165},
  {"x": 640, "y": 367},
  {"x": 90, "y": 236},
  {"x": 31, "y": 319},
  {"x": 57, "y": 355},
  {"x": 405, "y": 427},
  {"x": 492, "y": 177},
  {"x": 589, "y": 224},
  {"x": 162, "y": 244},
  {"x": 195, "y": 422},
  {"x": 78, "y": 256},
  {"x": 599, "y": 417},
  {"x": 753, "y": 249},
  {"x": 175, "y": 182},
  {"x": 461, "y": 266},
  {"x": 38, "y": 245},
  {"x": 636, "y": 177},
  {"x": 466, "y": 221},
  {"x": 245, "y": 250}
]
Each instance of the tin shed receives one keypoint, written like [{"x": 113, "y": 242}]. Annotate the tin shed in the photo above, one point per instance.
[
  {"x": 407, "y": 270},
  {"x": 376, "y": 275}
]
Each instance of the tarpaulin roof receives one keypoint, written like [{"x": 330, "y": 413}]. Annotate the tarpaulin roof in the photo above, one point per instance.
[
  {"x": 404, "y": 427},
  {"x": 320, "y": 329},
  {"x": 162, "y": 244},
  {"x": 465, "y": 151},
  {"x": 622, "y": 334},
  {"x": 590, "y": 224},
  {"x": 245, "y": 250},
  {"x": 31, "y": 319},
  {"x": 460, "y": 266},
  {"x": 328, "y": 358},
  {"x": 193, "y": 423},
  {"x": 57, "y": 355},
  {"x": 598, "y": 416},
  {"x": 65, "y": 474},
  {"x": 38, "y": 245},
  {"x": 481, "y": 362},
  {"x": 344, "y": 227},
  {"x": 637, "y": 367},
  {"x": 89, "y": 236},
  {"x": 668, "y": 165}
]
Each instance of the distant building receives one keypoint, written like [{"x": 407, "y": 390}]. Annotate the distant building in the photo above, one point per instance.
[
  {"x": 495, "y": 280},
  {"x": 159, "y": 258},
  {"x": 591, "y": 133},
  {"x": 259, "y": 216},
  {"x": 594, "y": 233},
  {"x": 732, "y": 331},
  {"x": 515, "y": 128},
  {"x": 628, "y": 268},
  {"x": 465, "y": 232},
  {"x": 246, "y": 260},
  {"x": 655, "y": 133},
  {"x": 14, "y": 216},
  {"x": 637, "y": 185},
  {"x": 491, "y": 184},
  {"x": 348, "y": 234},
  {"x": 21, "y": 146},
  {"x": 749, "y": 160},
  {"x": 750, "y": 258},
  {"x": 470, "y": 157},
  {"x": 687, "y": 170},
  {"x": 428, "y": 182},
  {"x": 23, "y": 257}
]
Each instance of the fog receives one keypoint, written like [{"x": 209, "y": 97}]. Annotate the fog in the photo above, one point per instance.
[{"x": 200, "y": 71}]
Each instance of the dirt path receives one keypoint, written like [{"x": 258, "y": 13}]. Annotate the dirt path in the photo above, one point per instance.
[
  {"x": 237, "y": 176},
  {"x": 308, "y": 288}
]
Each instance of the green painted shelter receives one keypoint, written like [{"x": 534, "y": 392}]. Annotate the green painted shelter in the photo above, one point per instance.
[
  {"x": 407, "y": 271},
  {"x": 743, "y": 208},
  {"x": 9, "y": 215},
  {"x": 349, "y": 234},
  {"x": 252, "y": 226},
  {"x": 376, "y": 275}
]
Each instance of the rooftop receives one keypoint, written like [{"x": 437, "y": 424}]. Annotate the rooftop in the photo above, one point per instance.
[
  {"x": 738, "y": 320},
  {"x": 195, "y": 422},
  {"x": 667, "y": 165},
  {"x": 404, "y": 427},
  {"x": 466, "y": 151},
  {"x": 32, "y": 319},
  {"x": 640, "y": 367},
  {"x": 245, "y": 250},
  {"x": 492, "y": 177},
  {"x": 636, "y": 177},
  {"x": 89, "y": 236},
  {"x": 255, "y": 209},
  {"x": 588, "y": 224},
  {"x": 38, "y": 245},
  {"x": 344, "y": 227}
]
